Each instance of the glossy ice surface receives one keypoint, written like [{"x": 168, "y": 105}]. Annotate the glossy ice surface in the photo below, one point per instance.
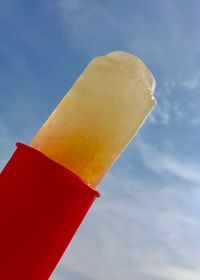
[{"x": 98, "y": 116}]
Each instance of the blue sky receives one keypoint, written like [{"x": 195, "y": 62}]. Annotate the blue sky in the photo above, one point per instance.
[{"x": 146, "y": 224}]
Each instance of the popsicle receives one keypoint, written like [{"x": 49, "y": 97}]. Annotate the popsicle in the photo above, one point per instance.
[
  {"x": 48, "y": 186},
  {"x": 99, "y": 115}
]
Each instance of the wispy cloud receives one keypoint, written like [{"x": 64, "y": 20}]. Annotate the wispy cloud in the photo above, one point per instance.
[
  {"x": 160, "y": 116},
  {"x": 71, "y": 274},
  {"x": 166, "y": 164},
  {"x": 169, "y": 272},
  {"x": 192, "y": 83}
]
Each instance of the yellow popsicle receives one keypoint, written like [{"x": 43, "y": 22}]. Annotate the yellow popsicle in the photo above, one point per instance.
[{"x": 98, "y": 116}]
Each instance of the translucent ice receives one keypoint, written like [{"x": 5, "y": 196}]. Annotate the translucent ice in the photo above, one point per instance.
[{"x": 98, "y": 116}]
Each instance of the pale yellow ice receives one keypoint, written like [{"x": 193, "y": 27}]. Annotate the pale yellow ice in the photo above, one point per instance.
[{"x": 99, "y": 115}]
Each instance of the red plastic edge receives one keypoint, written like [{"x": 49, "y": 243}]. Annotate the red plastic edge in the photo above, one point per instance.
[{"x": 42, "y": 205}]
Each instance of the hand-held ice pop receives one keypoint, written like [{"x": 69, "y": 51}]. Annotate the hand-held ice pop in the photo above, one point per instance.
[{"x": 47, "y": 187}]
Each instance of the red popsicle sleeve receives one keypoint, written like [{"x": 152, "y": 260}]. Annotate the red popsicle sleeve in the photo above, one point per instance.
[{"x": 41, "y": 206}]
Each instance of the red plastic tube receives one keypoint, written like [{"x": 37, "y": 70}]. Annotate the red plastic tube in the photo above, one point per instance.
[{"x": 41, "y": 206}]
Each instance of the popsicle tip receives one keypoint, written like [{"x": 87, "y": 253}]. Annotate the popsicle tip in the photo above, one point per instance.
[{"x": 128, "y": 61}]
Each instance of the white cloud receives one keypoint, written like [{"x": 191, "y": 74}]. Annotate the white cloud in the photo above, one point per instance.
[
  {"x": 166, "y": 164},
  {"x": 194, "y": 121},
  {"x": 160, "y": 116},
  {"x": 192, "y": 83},
  {"x": 171, "y": 272}
]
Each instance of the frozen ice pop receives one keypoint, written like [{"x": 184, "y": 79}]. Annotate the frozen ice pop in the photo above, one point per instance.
[
  {"x": 98, "y": 116},
  {"x": 47, "y": 187}
]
